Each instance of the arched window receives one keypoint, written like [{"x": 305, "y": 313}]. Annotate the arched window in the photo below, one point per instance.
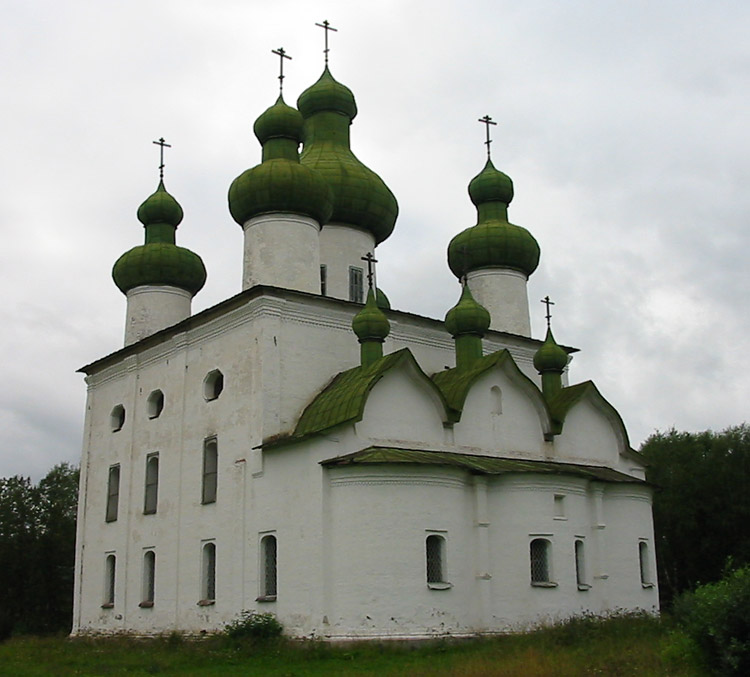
[
  {"x": 208, "y": 574},
  {"x": 113, "y": 493},
  {"x": 152, "y": 484},
  {"x": 580, "y": 565},
  {"x": 268, "y": 569},
  {"x": 540, "y": 561},
  {"x": 213, "y": 384},
  {"x": 109, "y": 581},
  {"x": 117, "y": 418},
  {"x": 435, "y": 559},
  {"x": 496, "y": 396},
  {"x": 645, "y": 565},
  {"x": 155, "y": 404},
  {"x": 210, "y": 471},
  {"x": 149, "y": 578}
]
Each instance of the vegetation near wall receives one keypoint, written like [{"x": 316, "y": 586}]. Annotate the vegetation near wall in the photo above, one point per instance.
[
  {"x": 37, "y": 551},
  {"x": 701, "y": 505}
]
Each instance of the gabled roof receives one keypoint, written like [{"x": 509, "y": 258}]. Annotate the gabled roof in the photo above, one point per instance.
[
  {"x": 343, "y": 399},
  {"x": 455, "y": 383},
  {"x": 479, "y": 465}
]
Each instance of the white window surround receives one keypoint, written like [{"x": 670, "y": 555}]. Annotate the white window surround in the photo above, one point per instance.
[
  {"x": 644, "y": 562},
  {"x": 151, "y": 488},
  {"x": 113, "y": 493},
  {"x": 213, "y": 385},
  {"x": 540, "y": 560},
  {"x": 268, "y": 567},
  {"x": 110, "y": 577},
  {"x": 117, "y": 418},
  {"x": 435, "y": 561},
  {"x": 149, "y": 579},
  {"x": 155, "y": 404},
  {"x": 210, "y": 471},
  {"x": 208, "y": 573},
  {"x": 579, "y": 553},
  {"x": 559, "y": 507}
]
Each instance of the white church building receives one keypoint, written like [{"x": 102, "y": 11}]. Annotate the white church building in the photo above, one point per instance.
[{"x": 303, "y": 449}]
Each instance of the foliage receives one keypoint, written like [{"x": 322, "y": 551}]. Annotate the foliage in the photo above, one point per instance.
[
  {"x": 254, "y": 625},
  {"x": 701, "y": 505},
  {"x": 37, "y": 550},
  {"x": 716, "y": 617}
]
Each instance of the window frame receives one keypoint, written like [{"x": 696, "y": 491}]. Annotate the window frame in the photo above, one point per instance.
[
  {"x": 151, "y": 484},
  {"x": 579, "y": 555},
  {"x": 117, "y": 418},
  {"x": 268, "y": 568},
  {"x": 208, "y": 574},
  {"x": 435, "y": 561},
  {"x": 148, "y": 585},
  {"x": 540, "y": 562},
  {"x": 323, "y": 279},
  {"x": 112, "y": 507},
  {"x": 644, "y": 564},
  {"x": 155, "y": 404},
  {"x": 213, "y": 385},
  {"x": 210, "y": 478},
  {"x": 356, "y": 284},
  {"x": 110, "y": 580}
]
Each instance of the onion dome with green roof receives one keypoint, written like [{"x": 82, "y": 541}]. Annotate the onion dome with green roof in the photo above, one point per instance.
[
  {"x": 360, "y": 197},
  {"x": 467, "y": 316},
  {"x": 160, "y": 261},
  {"x": 280, "y": 183},
  {"x": 493, "y": 241},
  {"x": 371, "y": 327},
  {"x": 550, "y": 356}
]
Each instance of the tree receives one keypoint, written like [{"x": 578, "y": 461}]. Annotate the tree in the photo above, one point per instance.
[
  {"x": 701, "y": 505},
  {"x": 37, "y": 550}
]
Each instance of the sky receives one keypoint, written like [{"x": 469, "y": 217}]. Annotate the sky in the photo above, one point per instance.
[{"x": 624, "y": 126}]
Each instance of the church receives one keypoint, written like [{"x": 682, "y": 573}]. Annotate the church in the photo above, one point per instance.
[{"x": 359, "y": 471}]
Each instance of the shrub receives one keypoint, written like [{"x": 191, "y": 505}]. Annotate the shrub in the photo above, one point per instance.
[
  {"x": 254, "y": 625},
  {"x": 716, "y": 617}
]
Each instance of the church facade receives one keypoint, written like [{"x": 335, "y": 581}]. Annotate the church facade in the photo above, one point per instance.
[{"x": 360, "y": 472}]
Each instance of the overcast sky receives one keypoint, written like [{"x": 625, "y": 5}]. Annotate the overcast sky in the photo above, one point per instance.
[{"x": 624, "y": 126}]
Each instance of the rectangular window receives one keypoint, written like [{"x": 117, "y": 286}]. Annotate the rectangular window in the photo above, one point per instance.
[
  {"x": 356, "y": 285},
  {"x": 324, "y": 280},
  {"x": 152, "y": 484},
  {"x": 434, "y": 547},
  {"x": 208, "y": 574},
  {"x": 149, "y": 579},
  {"x": 540, "y": 564},
  {"x": 645, "y": 565},
  {"x": 580, "y": 565},
  {"x": 113, "y": 492},
  {"x": 559, "y": 506},
  {"x": 210, "y": 470},
  {"x": 109, "y": 582},
  {"x": 268, "y": 579}
]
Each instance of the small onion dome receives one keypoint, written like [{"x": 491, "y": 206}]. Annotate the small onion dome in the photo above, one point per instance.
[
  {"x": 550, "y": 356},
  {"x": 160, "y": 263},
  {"x": 327, "y": 95},
  {"x": 360, "y": 197},
  {"x": 382, "y": 299},
  {"x": 493, "y": 241},
  {"x": 279, "y": 121},
  {"x": 160, "y": 207},
  {"x": 280, "y": 183},
  {"x": 370, "y": 323},
  {"x": 467, "y": 316}
]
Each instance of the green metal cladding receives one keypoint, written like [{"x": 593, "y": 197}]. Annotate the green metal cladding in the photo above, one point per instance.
[
  {"x": 467, "y": 316},
  {"x": 360, "y": 197},
  {"x": 550, "y": 356},
  {"x": 280, "y": 183},
  {"x": 493, "y": 241},
  {"x": 370, "y": 323}
]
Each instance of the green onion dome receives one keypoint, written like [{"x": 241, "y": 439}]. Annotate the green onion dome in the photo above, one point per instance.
[
  {"x": 467, "y": 316},
  {"x": 280, "y": 183},
  {"x": 360, "y": 197},
  {"x": 382, "y": 299},
  {"x": 160, "y": 261},
  {"x": 370, "y": 323},
  {"x": 550, "y": 356},
  {"x": 493, "y": 241}
]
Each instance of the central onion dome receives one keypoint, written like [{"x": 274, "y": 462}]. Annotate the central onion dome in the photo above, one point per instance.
[
  {"x": 360, "y": 197},
  {"x": 493, "y": 241},
  {"x": 280, "y": 183},
  {"x": 160, "y": 261}
]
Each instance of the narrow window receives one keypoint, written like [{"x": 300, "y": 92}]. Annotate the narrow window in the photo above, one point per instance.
[
  {"x": 559, "y": 506},
  {"x": 268, "y": 587},
  {"x": 210, "y": 462},
  {"x": 208, "y": 578},
  {"x": 109, "y": 582},
  {"x": 497, "y": 400},
  {"x": 435, "y": 559},
  {"x": 580, "y": 566},
  {"x": 540, "y": 569},
  {"x": 155, "y": 404},
  {"x": 149, "y": 578},
  {"x": 645, "y": 563},
  {"x": 152, "y": 484},
  {"x": 324, "y": 280},
  {"x": 113, "y": 492},
  {"x": 213, "y": 384},
  {"x": 117, "y": 418},
  {"x": 356, "y": 285}
]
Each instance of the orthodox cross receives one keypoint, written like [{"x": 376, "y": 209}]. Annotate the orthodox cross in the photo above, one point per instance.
[
  {"x": 162, "y": 145},
  {"x": 327, "y": 27},
  {"x": 487, "y": 121},
  {"x": 371, "y": 260},
  {"x": 282, "y": 55},
  {"x": 548, "y": 303}
]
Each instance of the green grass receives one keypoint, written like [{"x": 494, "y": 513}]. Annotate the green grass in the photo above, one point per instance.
[{"x": 628, "y": 645}]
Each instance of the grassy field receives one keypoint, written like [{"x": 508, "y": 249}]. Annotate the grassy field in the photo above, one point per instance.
[{"x": 620, "y": 646}]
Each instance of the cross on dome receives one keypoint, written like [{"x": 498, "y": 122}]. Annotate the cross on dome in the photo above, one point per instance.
[
  {"x": 546, "y": 301},
  {"x": 487, "y": 121},
  {"x": 371, "y": 261},
  {"x": 327, "y": 27},
  {"x": 282, "y": 55},
  {"x": 162, "y": 145}
]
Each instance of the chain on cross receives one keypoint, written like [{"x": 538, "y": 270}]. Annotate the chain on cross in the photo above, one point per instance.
[
  {"x": 487, "y": 121},
  {"x": 327, "y": 27},
  {"x": 282, "y": 55},
  {"x": 162, "y": 145},
  {"x": 548, "y": 303},
  {"x": 371, "y": 261}
]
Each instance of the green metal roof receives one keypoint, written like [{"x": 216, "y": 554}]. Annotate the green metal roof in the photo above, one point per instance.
[
  {"x": 475, "y": 464},
  {"x": 343, "y": 400}
]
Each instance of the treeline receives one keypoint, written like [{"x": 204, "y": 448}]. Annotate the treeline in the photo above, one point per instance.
[{"x": 37, "y": 552}]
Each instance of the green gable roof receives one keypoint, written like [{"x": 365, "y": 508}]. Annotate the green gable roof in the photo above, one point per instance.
[{"x": 480, "y": 465}]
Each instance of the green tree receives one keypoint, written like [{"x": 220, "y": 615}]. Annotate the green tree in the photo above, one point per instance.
[{"x": 701, "y": 505}]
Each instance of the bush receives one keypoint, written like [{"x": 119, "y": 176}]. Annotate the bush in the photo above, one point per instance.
[
  {"x": 254, "y": 626},
  {"x": 716, "y": 617}
]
